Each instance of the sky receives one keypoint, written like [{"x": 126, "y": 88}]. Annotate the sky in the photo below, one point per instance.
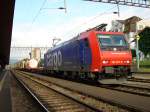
[{"x": 36, "y": 28}]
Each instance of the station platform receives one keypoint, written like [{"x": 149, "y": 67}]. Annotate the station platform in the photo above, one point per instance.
[{"x": 5, "y": 92}]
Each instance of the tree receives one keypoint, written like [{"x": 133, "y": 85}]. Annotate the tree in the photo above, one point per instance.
[{"x": 144, "y": 41}]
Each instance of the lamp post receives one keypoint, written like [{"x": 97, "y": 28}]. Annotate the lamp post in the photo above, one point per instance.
[{"x": 137, "y": 51}]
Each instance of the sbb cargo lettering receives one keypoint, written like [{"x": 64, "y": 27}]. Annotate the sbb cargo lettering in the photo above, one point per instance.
[{"x": 54, "y": 59}]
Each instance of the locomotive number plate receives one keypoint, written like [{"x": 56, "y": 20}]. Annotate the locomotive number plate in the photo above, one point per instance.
[{"x": 109, "y": 70}]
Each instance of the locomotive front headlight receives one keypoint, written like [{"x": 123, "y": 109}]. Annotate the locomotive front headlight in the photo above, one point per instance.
[
  {"x": 105, "y": 62},
  {"x": 128, "y": 61},
  {"x": 113, "y": 62}
]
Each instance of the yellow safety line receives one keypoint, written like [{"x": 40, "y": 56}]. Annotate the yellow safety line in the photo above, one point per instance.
[{"x": 2, "y": 82}]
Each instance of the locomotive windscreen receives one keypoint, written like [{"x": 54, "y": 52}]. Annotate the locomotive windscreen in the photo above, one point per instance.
[{"x": 109, "y": 41}]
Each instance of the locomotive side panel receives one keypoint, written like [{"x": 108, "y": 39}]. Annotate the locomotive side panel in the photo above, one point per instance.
[
  {"x": 85, "y": 55},
  {"x": 70, "y": 56},
  {"x": 64, "y": 58}
]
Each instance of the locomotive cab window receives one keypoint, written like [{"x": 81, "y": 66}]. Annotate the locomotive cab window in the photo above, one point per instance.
[{"x": 112, "y": 40}]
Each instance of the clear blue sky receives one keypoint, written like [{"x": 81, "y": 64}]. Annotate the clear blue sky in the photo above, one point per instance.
[
  {"x": 52, "y": 23},
  {"x": 55, "y": 23},
  {"x": 26, "y": 10}
]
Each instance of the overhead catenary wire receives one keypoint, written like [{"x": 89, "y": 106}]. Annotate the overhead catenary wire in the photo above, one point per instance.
[
  {"x": 42, "y": 7},
  {"x": 44, "y": 2},
  {"x": 101, "y": 14},
  {"x": 36, "y": 15}
]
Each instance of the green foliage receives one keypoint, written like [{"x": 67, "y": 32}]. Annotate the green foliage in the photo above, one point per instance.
[{"x": 144, "y": 42}]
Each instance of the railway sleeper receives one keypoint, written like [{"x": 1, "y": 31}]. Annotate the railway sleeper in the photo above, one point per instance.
[
  {"x": 72, "y": 110},
  {"x": 71, "y": 107},
  {"x": 57, "y": 101},
  {"x": 60, "y": 104}
]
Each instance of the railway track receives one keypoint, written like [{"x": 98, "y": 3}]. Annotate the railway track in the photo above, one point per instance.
[
  {"x": 54, "y": 102},
  {"x": 139, "y": 80},
  {"x": 127, "y": 87},
  {"x": 90, "y": 103},
  {"x": 36, "y": 100},
  {"x": 133, "y": 89},
  {"x": 51, "y": 100},
  {"x": 105, "y": 95},
  {"x": 20, "y": 95}
]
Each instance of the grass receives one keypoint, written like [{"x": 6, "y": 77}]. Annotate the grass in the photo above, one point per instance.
[
  {"x": 144, "y": 70},
  {"x": 144, "y": 66}
]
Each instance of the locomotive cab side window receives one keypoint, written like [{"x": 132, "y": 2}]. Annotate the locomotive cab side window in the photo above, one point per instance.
[{"x": 86, "y": 42}]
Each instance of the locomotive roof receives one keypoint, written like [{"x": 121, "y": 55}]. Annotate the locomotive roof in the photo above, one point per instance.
[
  {"x": 82, "y": 35},
  {"x": 64, "y": 43}
]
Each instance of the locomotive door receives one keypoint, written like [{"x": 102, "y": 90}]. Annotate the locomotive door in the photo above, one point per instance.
[{"x": 85, "y": 54}]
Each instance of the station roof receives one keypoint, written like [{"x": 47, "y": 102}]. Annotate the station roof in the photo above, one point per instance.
[{"x": 6, "y": 21}]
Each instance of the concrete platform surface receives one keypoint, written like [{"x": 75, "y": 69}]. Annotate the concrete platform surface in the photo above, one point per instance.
[{"x": 5, "y": 95}]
